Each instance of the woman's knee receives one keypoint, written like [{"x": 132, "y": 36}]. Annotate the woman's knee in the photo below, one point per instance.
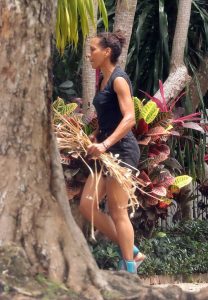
[{"x": 119, "y": 215}]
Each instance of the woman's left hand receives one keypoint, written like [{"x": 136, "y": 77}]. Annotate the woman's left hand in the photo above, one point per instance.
[{"x": 95, "y": 149}]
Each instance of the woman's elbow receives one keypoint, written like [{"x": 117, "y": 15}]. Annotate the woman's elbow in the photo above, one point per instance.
[{"x": 131, "y": 121}]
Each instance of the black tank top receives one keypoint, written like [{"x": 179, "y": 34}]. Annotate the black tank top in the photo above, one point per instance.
[{"x": 106, "y": 103}]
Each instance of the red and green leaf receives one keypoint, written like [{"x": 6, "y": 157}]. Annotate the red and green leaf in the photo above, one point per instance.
[
  {"x": 157, "y": 130},
  {"x": 159, "y": 191},
  {"x": 141, "y": 128},
  {"x": 157, "y": 149},
  {"x": 194, "y": 126}
]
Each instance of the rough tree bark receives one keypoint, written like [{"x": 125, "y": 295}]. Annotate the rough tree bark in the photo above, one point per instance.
[
  {"x": 124, "y": 19},
  {"x": 32, "y": 191},
  {"x": 34, "y": 211},
  {"x": 202, "y": 78},
  {"x": 88, "y": 74},
  {"x": 178, "y": 77}
]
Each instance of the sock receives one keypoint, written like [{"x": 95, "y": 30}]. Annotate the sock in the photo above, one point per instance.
[{"x": 135, "y": 250}]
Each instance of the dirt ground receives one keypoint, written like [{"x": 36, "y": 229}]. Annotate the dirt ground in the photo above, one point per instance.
[{"x": 188, "y": 287}]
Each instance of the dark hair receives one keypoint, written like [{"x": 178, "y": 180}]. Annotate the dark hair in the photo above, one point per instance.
[{"x": 115, "y": 41}]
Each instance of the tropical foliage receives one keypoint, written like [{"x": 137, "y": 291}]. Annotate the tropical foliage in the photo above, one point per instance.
[
  {"x": 151, "y": 41},
  {"x": 169, "y": 145},
  {"x": 160, "y": 176},
  {"x": 67, "y": 20},
  {"x": 152, "y": 37}
]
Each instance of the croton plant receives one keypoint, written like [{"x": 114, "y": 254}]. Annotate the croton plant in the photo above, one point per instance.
[{"x": 156, "y": 122}]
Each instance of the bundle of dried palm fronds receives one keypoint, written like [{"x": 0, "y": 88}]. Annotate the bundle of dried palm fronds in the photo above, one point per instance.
[{"x": 71, "y": 138}]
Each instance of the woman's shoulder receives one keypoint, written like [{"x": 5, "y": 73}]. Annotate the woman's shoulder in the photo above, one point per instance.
[{"x": 119, "y": 72}]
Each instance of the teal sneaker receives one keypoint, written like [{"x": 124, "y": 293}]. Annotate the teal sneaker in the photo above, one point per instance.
[
  {"x": 127, "y": 265},
  {"x": 138, "y": 258}
]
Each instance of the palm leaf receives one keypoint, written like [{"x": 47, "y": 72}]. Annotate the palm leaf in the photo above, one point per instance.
[
  {"x": 103, "y": 12},
  {"x": 69, "y": 13}
]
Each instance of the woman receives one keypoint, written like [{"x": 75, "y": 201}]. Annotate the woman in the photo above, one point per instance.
[{"x": 116, "y": 117}]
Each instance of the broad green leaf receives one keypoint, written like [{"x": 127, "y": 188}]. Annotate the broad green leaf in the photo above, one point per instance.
[
  {"x": 137, "y": 107},
  {"x": 59, "y": 103},
  {"x": 149, "y": 112},
  {"x": 181, "y": 181},
  {"x": 62, "y": 108},
  {"x": 69, "y": 108}
]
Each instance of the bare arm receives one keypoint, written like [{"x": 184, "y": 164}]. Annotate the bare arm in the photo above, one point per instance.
[{"x": 122, "y": 90}]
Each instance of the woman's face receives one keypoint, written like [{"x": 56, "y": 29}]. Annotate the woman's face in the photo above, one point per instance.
[{"x": 98, "y": 55}]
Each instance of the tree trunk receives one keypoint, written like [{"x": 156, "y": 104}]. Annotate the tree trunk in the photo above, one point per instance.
[
  {"x": 186, "y": 205},
  {"x": 200, "y": 79},
  {"x": 34, "y": 210},
  {"x": 88, "y": 74},
  {"x": 181, "y": 32},
  {"x": 178, "y": 77},
  {"x": 124, "y": 19}
]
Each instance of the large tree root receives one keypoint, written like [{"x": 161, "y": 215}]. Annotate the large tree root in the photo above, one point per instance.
[{"x": 16, "y": 280}]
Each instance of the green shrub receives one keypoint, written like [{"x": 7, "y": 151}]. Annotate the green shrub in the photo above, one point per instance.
[
  {"x": 181, "y": 250},
  {"x": 106, "y": 255}
]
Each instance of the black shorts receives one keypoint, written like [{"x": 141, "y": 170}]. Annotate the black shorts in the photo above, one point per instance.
[{"x": 127, "y": 148}]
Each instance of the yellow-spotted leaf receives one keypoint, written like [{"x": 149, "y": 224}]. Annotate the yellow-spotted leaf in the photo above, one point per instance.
[
  {"x": 62, "y": 108},
  {"x": 181, "y": 181},
  {"x": 58, "y": 104},
  {"x": 137, "y": 107},
  {"x": 69, "y": 108},
  {"x": 149, "y": 112}
]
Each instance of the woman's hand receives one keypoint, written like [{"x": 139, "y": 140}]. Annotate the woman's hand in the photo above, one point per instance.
[
  {"x": 95, "y": 149},
  {"x": 93, "y": 138}
]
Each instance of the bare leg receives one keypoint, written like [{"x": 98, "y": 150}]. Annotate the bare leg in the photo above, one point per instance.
[
  {"x": 118, "y": 200},
  {"x": 102, "y": 221}
]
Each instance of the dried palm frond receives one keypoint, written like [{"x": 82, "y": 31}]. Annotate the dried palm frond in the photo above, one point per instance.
[{"x": 72, "y": 138}]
